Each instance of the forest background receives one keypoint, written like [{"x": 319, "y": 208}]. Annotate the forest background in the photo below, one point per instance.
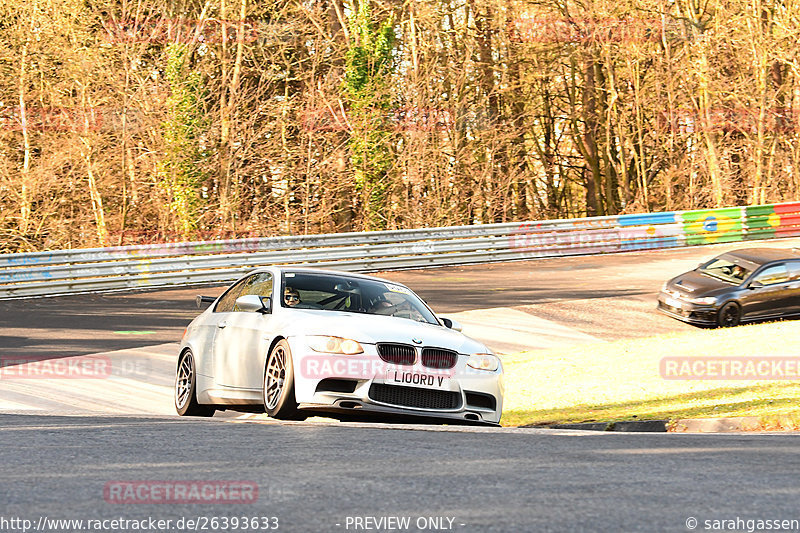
[{"x": 134, "y": 121}]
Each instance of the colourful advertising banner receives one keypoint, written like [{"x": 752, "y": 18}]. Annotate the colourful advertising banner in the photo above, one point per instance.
[{"x": 713, "y": 226}]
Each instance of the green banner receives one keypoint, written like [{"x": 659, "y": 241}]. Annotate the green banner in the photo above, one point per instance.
[
  {"x": 761, "y": 222},
  {"x": 712, "y": 226}
]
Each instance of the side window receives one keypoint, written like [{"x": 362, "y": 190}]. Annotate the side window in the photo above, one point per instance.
[
  {"x": 794, "y": 270},
  {"x": 773, "y": 275},
  {"x": 228, "y": 300},
  {"x": 258, "y": 284}
]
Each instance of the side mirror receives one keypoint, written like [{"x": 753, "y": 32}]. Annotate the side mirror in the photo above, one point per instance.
[
  {"x": 253, "y": 303},
  {"x": 200, "y": 300},
  {"x": 452, "y": 324},
  {"x": 755, "y": 285}
]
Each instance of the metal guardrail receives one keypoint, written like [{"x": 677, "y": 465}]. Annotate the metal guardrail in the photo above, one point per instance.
[{"x": 174, "y": 264}]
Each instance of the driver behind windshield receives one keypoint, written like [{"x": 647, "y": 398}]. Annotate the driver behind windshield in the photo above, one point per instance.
[
  {"x": 291, "y": 297},
  {"x": 381, "y": 306},
  {"x": 724, "y": 269}
]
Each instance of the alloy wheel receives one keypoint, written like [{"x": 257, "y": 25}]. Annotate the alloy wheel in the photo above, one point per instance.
[
  {"x": 183, "y": 383},
  {"x": 275, "y": 377}
]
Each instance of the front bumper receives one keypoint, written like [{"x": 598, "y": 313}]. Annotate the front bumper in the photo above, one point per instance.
[
  {"x": 701, "y": 315},
  {"x": 338, "y": 384},
  {"x": 347, "y": 410},
  {"x": 362, "y": 400}
]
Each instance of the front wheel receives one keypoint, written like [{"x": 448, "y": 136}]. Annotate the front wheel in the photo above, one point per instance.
[
  {"x": 730, "y": 315},
  {"x": 279, "y": 399},
  {"x": 186, "y": 389}
]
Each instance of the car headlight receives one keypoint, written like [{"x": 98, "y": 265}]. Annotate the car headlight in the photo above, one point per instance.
[
  {"x": 665, "y": 286},
  {"x": 483, "y": 361},
  {"x": 709, "y": 300},
  {"x": 321, "y": 343}
]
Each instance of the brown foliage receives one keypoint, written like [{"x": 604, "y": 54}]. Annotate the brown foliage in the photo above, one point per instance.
[{"x": 503, "y": 111}]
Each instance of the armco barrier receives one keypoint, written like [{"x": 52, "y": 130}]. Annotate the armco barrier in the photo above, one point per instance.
[{"x": 161, "y": 265}]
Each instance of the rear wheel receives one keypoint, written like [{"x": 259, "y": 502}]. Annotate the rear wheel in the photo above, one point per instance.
[
  {"x": 185, "y": 389},
  {"x": 279, "y": 399},
  {"x": 730, "y": 315}
]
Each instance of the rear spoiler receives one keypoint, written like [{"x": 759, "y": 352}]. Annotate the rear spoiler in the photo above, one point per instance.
[{"x": 200, "y": 300}]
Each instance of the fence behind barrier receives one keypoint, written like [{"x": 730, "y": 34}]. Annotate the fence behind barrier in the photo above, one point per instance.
[{"x": 174, "y": 264}]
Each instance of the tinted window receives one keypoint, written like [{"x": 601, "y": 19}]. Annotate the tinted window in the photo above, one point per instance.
[
  {"x": 228, "y": 300},
  {"x": 794, "y": 270},
  {"x": 725, "y": 269},
  {"x": 258, "y": 284},
  {"x": 773, "y": 275},
  {"x": 355, "y": 295}
]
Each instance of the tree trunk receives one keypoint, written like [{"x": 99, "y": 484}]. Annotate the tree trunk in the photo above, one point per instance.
[{"x": 25, "y": 202}]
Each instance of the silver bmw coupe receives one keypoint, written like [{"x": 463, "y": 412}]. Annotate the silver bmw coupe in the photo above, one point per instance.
[{"x": 291, "y": 341}]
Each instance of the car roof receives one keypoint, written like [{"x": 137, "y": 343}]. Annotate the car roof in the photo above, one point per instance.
[
  {"x": 760, "y": 256},
  {"x": 306, "y": 270}
]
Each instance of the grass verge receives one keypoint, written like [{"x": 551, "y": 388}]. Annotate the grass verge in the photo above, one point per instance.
[{"x": 621, "y": 380}]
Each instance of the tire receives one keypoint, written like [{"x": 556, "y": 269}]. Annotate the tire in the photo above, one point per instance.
[
  {"x": 729, "y": 315},
  {"x": 186, "y": 388},
  {"x": 279, "y": 398}
]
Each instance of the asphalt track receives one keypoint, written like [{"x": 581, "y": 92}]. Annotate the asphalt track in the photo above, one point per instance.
[
  {"x": 314, "y": 475},
  {"x": 604, "y": 296}
]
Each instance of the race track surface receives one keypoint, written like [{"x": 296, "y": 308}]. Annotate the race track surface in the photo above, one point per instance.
[
  {"x": 512, "y": 307},
  {"x": 314, "y": 477},
  {"x": 65, "y": 440},
  {"x": 604, "y": 296}
]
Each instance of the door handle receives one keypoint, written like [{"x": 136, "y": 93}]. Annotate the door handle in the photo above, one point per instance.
[{"x": 222, "y": 324}]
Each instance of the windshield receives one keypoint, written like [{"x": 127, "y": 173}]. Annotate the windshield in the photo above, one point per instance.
[
  {"x": 327, "y": 292},
  {"x": 726, "y": 269}
]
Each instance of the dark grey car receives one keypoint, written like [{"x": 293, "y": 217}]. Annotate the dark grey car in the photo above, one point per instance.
[{"x": 740, "y": 286}]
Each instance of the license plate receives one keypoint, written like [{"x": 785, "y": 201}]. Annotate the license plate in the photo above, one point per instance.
[
  {"x": 672, "y": 302},
  {"x": 417, "y": 379}
]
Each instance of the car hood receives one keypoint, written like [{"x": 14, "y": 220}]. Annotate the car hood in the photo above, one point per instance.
[
  {"x": 371, "y": 329},
  {"x": 697, "y": 284}
]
